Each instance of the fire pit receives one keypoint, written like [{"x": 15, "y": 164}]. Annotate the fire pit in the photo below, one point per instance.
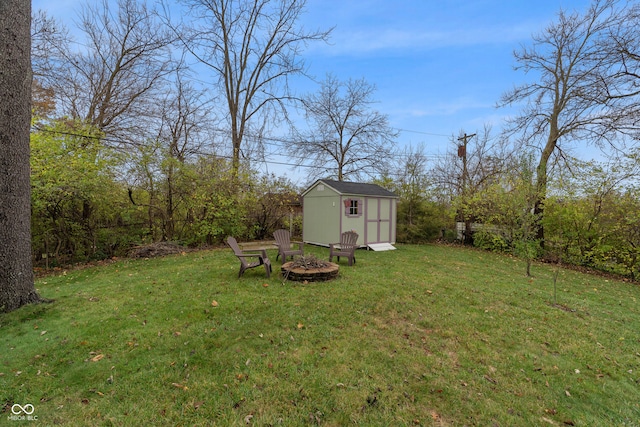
[{"x": 310, "y": 269}]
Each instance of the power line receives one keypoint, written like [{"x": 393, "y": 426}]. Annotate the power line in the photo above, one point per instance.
[
  {"x": 277, "y": 142},
  {"x": 422, "y": 133}
]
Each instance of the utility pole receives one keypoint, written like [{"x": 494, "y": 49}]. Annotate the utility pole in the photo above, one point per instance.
[{"x": 462, "y": 153}]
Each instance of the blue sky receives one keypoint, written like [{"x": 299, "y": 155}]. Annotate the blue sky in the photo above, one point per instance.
[{"x": 439, "y": 66}]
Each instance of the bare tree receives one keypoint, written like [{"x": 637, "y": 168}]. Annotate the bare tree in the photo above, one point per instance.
[
  {"x": 47, "y": 37},
  {"x": 412, "y": 185},
  {"x": 182, "y": 134},
  {"x": 473, "y": 163},
  {"x": 252, "y": 47},
  {"x": 412, "y": 180},
  {"x": 346, "y": 136},
  {"x": 109, "y": 82},
  {"x": 622, "y": 46},
  {"x": 16, "y": 273},
  {"x": 571, "y": 102}
]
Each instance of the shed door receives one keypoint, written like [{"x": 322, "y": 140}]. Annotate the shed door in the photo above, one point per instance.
[{"x": 378, "y": 221}]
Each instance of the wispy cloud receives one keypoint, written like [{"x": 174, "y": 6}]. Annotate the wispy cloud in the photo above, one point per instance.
[
  {"x": 448, "y": 108},
  {"x": 372, "y": 40}
]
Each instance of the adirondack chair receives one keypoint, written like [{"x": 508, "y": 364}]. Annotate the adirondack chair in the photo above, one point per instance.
[
  {"x": 283, "y": 240},
  {"x": 347, "y": 247},
  {"x": 244, "y": 257}
]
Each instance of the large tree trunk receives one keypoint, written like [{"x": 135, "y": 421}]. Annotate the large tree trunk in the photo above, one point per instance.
[{"x": 16, "y": 269}]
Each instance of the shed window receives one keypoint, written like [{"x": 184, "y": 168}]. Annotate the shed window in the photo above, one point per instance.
[{"x": 352, "y": 207}]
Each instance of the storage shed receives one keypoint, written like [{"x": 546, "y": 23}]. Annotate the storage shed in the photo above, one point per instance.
[{"x": 330, "y": 208}]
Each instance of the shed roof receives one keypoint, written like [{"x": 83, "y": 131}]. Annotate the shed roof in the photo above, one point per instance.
[{"x": 344, "y": 187}]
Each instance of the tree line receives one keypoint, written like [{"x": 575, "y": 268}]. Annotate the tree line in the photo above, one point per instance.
[
  {"x": 184, "y": 150},
  {"x": 120, "y": 113},
  {"x": 131, "y": 144},
  {"x": 525, "y": 191}
]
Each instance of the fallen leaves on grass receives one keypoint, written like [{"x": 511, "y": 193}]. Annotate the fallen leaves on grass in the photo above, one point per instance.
[
  {"x": 491, "y": 380},
  {"x": 97, "y": 357},
  {"x": 182, "y": 386}
]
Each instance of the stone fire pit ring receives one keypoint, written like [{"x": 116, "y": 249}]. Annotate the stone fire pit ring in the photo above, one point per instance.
[{"x": 317, "y": 274}]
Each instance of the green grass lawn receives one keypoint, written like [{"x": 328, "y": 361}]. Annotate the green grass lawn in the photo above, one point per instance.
[{"x": 424, "y": 335}]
